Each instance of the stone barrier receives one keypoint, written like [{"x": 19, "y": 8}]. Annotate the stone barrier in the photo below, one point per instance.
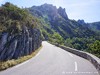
[{"x": 93, "y": 59}]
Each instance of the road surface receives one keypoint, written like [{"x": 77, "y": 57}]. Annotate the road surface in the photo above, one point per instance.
[{"x": 52, "y": 60}]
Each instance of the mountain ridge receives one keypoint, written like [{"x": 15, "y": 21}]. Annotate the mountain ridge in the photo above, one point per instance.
[{"x": 58, "y": 18}]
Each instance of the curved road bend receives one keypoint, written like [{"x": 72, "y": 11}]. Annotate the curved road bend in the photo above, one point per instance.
[{"x": 52, "y": 60}]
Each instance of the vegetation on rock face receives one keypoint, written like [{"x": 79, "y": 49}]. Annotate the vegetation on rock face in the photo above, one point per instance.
[
  {"x": 12, "y": 17},
  {"x": 56, "y": 38},
  {"x": 57, "y": 28}
]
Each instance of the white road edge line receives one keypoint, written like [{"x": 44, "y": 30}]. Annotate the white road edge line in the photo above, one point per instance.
[
  {"x": 70, "y": 54},
  {"x": 76, "y": 66},
  {"x": 37, "y": 54},
  {"x": 24, "y": 62},
  {"x": 21, "y": 64}
]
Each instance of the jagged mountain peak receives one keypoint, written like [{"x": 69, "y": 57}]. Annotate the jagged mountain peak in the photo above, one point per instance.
[
  {"x": 81, "y": 21},
  {"x": 62, "y": 12},
  {"x": 50, "y": 11}
]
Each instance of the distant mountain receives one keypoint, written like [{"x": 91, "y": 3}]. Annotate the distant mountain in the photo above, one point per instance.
[
  {"x": 57, "y": 21},
  {"x": 93, "y": 26}
]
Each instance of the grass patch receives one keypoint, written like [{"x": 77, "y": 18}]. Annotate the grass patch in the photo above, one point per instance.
[{"x": 7, "y": 64}]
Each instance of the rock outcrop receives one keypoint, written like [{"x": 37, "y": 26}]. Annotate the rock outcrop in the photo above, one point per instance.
[
  {"x": 81, "y": 22},
  {"x": 62, "y": 12},
  {"x": 24, "y": 43},
  {"x": 48, "y": 11}
]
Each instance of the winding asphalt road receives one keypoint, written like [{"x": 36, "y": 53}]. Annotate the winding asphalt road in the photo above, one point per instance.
[{"x": 52, "y": 60}]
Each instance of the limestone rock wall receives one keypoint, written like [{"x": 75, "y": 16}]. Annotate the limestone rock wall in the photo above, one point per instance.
[{"x": 13, "y": 46}]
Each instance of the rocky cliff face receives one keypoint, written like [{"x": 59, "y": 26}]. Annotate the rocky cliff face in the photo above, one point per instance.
[
  {"x": 19, "y": 34},
  {"x": 14, "y": 46}
]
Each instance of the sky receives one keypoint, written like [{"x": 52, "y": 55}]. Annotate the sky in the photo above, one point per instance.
[{"x": 88, "y": 10}]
